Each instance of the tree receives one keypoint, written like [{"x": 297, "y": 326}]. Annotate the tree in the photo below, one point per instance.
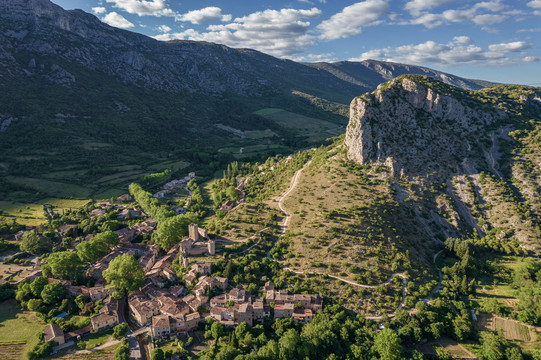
[
  {"x": 290, "y": 345},
  {"x": 387, "y": 345},
  {"x": 65, "y": 265},
  {"x": 34, "y": 304},
  {"x": 97, "y": 247},
  {"x": 170, "y": 230},
  {"x": 123, "y": 351},
  {"x": 124, "y": 274},
  {"x": 216, "y": 330},
  {"x": 52, "y": 293},
  {"x": 157, "y": 354},
  {"x": 32, "y": 243},
  {"x": 119, "y": 330},
  {"x": 81, "y": 301},
  {"x": 37, "y": 285},
  {"x": 493, "y": 346}
]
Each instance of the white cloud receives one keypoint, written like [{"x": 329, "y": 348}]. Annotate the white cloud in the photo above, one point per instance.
[
  {"x": 144, "y": 7},
  {"x": 99, "y": 10},
  {"x": 489, "y": 19},
  {"x": 536, "y": 4},
  {"x": 327, "y": 57},
  {"x": 164, "y": 28},
  {"x": 276, "y": 32},
  {"x": 531, "y": 59},
  {"x": 476, "y": 13},
  {"x": 203, "y": 15},
  {"x": 510, "y": 47},
  {"x": 456, "y": 52},
  {"x": 529, "y": 30},
  {"x": 462, "y": 39},
  {"x": 415, "y": 7},
  {"x": 352, "y": 18},
  {"x": 117, "y": 20}
]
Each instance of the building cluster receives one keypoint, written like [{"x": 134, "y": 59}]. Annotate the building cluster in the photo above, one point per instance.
[
  {"x": 238, "y": 306},
  {"x": 173, "y": 185},
  {"x": 196, "y": 243},
  {"x": 169, "y": 310},
  {"x": 230, "y": 205}
]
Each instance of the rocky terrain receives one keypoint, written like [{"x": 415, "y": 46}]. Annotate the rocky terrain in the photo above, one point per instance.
[{"x": 463, "y": 155}]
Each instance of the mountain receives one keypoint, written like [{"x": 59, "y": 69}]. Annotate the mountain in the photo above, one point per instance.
[
  {"x": 81, "y": 99},
  {"x": 469, "y": 158},
  {"x": 40, "y": 30}
]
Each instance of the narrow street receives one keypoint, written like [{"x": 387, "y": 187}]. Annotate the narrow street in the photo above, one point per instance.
[{"x": 138, "y": 341}]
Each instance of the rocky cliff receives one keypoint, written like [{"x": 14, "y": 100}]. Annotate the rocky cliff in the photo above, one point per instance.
[
  {"x": 459, "y": 160},
  {"x": 412, "y": 126}
]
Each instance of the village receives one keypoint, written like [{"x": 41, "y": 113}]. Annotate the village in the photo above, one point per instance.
[{"x": 168, "y": 305}]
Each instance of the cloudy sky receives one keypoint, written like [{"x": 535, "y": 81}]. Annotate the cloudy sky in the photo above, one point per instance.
[{"x": 498, "y": 40}]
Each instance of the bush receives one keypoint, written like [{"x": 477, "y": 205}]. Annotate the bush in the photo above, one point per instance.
[{"x": 119, "y": 330}]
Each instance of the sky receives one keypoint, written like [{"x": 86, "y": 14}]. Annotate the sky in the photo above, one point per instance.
[{"x": 495, "y": 40}]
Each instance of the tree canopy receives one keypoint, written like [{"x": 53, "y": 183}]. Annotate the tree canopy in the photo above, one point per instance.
[
  {"x": 124, "y": 274},
  {"x": 172, "y": 229}
]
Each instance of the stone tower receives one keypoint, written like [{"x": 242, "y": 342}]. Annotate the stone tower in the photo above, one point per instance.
[
  {"x": 193, "y": 232},
  {"x": 185, "y": 261},
  {"x": 211, "y": 247}
]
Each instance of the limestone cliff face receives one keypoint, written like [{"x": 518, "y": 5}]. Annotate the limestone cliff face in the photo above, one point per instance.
[{"x": 413, "y": 128}]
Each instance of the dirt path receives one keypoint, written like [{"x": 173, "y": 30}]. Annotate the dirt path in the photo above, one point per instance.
[
  {"x": 404, "y": 278},
  {"x": 280, "y": 206}
]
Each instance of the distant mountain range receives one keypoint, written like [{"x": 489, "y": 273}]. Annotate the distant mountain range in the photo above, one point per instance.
[
  {"x": 49, "y": 36},
  {"x": 73, "y": 87}
]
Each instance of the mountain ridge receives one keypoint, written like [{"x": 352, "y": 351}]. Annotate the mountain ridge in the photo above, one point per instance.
[{"x": 182, "y": 65}]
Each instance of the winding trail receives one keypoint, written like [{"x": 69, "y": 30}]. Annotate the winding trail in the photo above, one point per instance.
[{"x": 404, "y": 278}]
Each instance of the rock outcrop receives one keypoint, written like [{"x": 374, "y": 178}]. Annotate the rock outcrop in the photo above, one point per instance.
[{"x": 413, "y": 127}]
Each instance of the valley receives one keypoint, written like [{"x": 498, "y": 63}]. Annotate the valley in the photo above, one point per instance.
[{"x": 184, "y": 199}]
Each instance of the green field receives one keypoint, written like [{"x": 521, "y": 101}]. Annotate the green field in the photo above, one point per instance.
[
  {"x": 17, "y": 327},
  {"x": 32, "y": 214},
  {"x": 52, "y": 188},
  {"x": 301, "y": 124}
]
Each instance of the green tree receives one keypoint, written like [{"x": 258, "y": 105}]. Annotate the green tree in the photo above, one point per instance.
[
  {"x": 52, "y": 293},
  {"x": 81, "y": 301},
  {"x": 493, "y": 346},
  {"x": 124, "y": 274},
  {"x": 119, "y": 330},
  {"x": 123, "y": 351},
  {"x": 32, "y": 243},
  {"x": 65, "y": 265},
  {"x": 37, "y": 285},
  {"x": 216, "y": 330},
  {"x": 290, "y": 345},
  {"x": 97, "y": 247},
  {"x": 170, "y": 230},
  {"x": 157, "y": 354},
  {"x": 387, "y": 345},
  {"x": 34, "y": 304}
]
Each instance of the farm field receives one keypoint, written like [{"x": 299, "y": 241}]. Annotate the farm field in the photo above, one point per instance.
[
  {"x": 510, "y": 329},
  {"x": 304, "y": 125},
  {"x": 499, "y": 286},
  {"x": 451, "y": 347},
  {"x": 19, "y": 330},
  {"x": 32, "y": 214},
  {"x": 52, "y": 188},
  {"x": 103, "y": 354}
]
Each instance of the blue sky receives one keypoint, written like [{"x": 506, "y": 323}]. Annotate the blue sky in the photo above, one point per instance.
[{"x": 497, "y": 40}]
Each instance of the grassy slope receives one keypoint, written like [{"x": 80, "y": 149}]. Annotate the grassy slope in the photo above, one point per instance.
[{"x": 18, "y": 326}]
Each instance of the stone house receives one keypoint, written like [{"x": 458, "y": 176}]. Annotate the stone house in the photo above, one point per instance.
[{"x": 53, "y": 332}]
